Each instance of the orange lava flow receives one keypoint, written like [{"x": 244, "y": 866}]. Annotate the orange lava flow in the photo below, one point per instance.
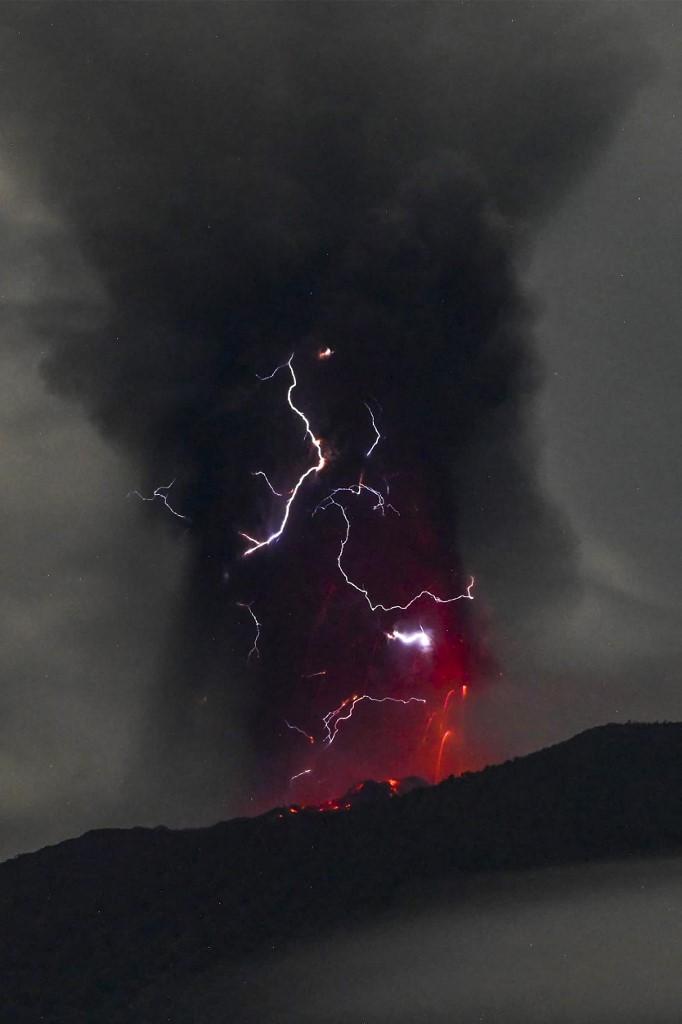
[{"x": 445, "y": 737}]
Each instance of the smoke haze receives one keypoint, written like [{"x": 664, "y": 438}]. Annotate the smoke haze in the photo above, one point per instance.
[{"x": 240, "y": 182}]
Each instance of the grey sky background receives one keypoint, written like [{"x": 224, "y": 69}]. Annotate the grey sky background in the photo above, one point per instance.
[
  {"x": 604, "y": 275},
  {"x": 88, "y": 588}
]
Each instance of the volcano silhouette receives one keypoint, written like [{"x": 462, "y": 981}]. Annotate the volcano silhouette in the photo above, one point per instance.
[{"x": 93, "y": 922}]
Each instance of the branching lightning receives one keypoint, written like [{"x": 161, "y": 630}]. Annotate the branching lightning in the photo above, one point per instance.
[
  {"x": 332, "y": 720},
  {"x": 254, "y": 648},
  {"x": 315, "y": 468},
  {"x": 162, "y": 494},
  {"x": 375, "y": 605},
  {"x": 356, "y": 489}
]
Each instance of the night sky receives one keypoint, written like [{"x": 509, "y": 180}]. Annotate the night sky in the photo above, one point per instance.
[{"x": 476, "y": 210}]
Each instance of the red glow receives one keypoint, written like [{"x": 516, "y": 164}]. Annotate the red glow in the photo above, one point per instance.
[
  {"x": 319, "y": 598},
  {"x": 445, "y": 737},
  {"x": 361, "y": 793},
  {"x": 333, "y": 719}
]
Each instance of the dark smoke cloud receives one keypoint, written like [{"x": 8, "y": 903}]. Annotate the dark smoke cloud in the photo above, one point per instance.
[{"x": 252, "y": 180}]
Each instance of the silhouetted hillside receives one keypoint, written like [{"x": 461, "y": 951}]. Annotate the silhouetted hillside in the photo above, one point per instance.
[{"x": 91, "y": 922}]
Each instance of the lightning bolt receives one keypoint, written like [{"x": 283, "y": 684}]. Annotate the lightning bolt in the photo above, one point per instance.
[
  {"x": 254, "y": 648},
  {"x": 259, "y": 472},
  {"x": 419, "y": 637},
  {"x": 162, "y": 494},
  {"x": 332, "y": 720},
  {"x": 375, "y": 605},
  {"x": 319, "y": 465},
  {"x": 376, "y": 431},
  {"x": 295, "y": 728}
]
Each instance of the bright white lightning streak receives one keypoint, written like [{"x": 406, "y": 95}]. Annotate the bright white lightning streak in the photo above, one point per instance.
[
  {"x": 319, "y": 465},
  {"x": 259, "y": 472},
  {"x": 376, "y": 606},
  {"x": 295, "y": 728},
  {"x": 306, "y": 772},
  {"x": 419, "y": 637},
  {"x": 333, "y": 719},
  {"x": 254, "y": 648},
  {"x": 376, "y": 431},
  {"x": 162, "y": 494}
]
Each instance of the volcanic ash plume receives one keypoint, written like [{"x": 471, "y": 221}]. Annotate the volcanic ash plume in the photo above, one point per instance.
[{"x": 344, "y": 192}]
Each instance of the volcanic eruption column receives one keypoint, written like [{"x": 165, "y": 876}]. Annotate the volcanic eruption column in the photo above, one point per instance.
[{"x": 355, "y": 184}]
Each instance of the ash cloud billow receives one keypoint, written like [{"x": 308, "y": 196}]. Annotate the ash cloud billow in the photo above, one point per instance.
[{"x": 252, "y": 181}]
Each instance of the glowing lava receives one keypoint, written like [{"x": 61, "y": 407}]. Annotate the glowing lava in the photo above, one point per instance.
[
  {"x": 366, "y": 793},
  {"x": 444, "y": 739}
]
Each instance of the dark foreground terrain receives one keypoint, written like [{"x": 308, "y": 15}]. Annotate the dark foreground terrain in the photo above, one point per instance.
[{"x": 111, "y": 926}]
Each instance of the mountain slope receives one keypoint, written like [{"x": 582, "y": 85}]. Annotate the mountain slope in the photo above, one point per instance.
[{"x": 94, "y": 920}]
